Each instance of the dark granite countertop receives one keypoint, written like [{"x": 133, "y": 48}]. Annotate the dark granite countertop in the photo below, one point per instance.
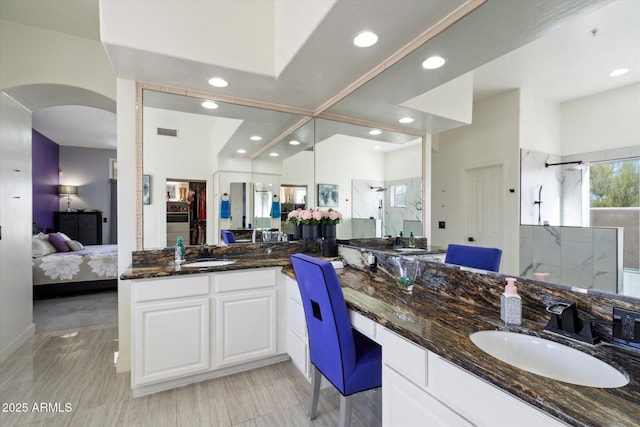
[{"x": 442, "y": 325}]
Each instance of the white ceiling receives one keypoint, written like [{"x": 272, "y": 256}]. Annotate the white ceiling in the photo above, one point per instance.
[{"x": 566, "y": 63}]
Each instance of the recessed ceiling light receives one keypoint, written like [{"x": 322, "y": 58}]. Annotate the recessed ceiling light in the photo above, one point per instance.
[
  {"x": 274, "y": 154},
  {"x": 365, "y": 39},
  {"x": 218, "y": 82},
  {"x": 406, "y": 120},
  {"x": 377, "y": 147},
  {"x": 375, "y": 132},
  {"x": 619, "y": 72},
  {"x": 210, "y": 105},
  {"x": 433, "y": 62},
  {"x": 256, "y": 138},
  {"x": 294, "y": 142},
  {"x": 241, "y": 151}
]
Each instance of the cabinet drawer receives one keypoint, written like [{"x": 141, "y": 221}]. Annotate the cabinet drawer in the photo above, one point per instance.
[
  {"x": 171, "y": 287},
  {"x": 364, "y": 325},
  {"x": 481, "y": 402},
  {"x": 293, "y": 291},
  {"x": 405, "y": 357},
  {"x": 244, "y": 279}
]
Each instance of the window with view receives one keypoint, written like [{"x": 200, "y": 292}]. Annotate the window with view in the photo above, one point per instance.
[
  {"x": 398, "y": 196},
  {"x": 614, "y": 199}
]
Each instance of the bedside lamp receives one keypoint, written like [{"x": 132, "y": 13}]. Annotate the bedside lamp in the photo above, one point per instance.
[{"x": 67, "y": 190}]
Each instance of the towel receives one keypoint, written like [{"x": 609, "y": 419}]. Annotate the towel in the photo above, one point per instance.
[
  {"x": 225, "y": 209},
  {"x": 275, "y": 209}
]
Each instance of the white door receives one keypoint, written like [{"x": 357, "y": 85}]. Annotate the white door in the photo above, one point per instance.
[{"x": 485, "y": 206}]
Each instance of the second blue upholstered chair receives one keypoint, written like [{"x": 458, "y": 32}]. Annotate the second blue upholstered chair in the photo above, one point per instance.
[
  {"x": 228, "y": 237},
  {"x": 348, "y": 359},
  {"x": 474, "y": 257}
]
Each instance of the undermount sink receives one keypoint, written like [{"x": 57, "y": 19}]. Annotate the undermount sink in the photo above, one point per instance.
[
  {"x": 410, "y": 250},
  {"x": 549, "y": 359},
  {"x": 209, "y": 263}
]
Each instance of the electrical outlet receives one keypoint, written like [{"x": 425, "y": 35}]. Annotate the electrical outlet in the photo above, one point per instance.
[
  {"x": 441, "y": 224},
  {"x": 626, "y": 327}
]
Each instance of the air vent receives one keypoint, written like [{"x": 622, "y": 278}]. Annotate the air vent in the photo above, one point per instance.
[{"x": 168, "y": 132}]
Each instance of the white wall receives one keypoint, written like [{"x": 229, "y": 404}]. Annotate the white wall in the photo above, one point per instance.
[
  {"x": 30, "y": 55},
  {"x": 603, "y": 121},
  {"x": 127, "y": 173},
  {"x": 405, "y": 162},
  {"x": 338, "y": 160},
  {"x": 540, "y": 123},
  {"x": 188, "y": 157},
  {"x": 491, "y": 139},
  {"x": 16, "y": 306}
]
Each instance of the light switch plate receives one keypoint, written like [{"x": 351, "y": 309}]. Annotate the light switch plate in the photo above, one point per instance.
[{"x": 626, "y": 327}]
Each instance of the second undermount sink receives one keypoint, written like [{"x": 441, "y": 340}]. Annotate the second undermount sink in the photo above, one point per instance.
[
  {"x": 209, "y": 263},
  {"x": 549, "y": 359}
]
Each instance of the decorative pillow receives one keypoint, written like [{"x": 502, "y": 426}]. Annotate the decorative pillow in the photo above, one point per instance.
[
  {"x": 41, "y": 247},
  {"x": 64, "y": 236},
  {"x": 58, "y": 242},
  {"x": 74, "y": 245}
]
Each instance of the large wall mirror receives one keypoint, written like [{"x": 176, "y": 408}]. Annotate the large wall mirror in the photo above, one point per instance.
[{"x": 489, "y": 117}]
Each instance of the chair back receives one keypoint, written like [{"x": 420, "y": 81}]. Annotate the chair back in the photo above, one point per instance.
[
  {"x": 228, "y": 237},
  {"x": 331, "y": 342},
  {"x": 474, "y": 257}
]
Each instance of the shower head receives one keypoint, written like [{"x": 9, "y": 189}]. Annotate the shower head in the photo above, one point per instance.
[{"x": 378, "y": 189}]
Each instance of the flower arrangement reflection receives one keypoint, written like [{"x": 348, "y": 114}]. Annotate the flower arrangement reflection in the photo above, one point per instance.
[{"x": 314, "y": 217}]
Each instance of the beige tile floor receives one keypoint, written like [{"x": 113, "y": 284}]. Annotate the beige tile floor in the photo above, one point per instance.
[{"x": 76, "y": 367}]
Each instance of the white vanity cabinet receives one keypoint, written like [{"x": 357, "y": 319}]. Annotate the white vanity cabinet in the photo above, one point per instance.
[
  {"x": 420, "y": 388},
  {"x": 199, "y": 326},
  {"x": 246, "y": 317},
  {"x": 407, "y": 398},
  {"x": 171, "y": 335}
]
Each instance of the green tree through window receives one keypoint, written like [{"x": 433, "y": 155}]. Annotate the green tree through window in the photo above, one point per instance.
[{"x": 615, "y": 184}]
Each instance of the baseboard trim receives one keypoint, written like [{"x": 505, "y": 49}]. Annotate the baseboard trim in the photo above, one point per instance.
[
  {"x": 191, "y": 379},
  {"x": 16, "y": 343}
]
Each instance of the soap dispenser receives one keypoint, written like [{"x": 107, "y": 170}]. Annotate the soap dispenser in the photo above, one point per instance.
[
  {"x": 511, "y": 304},
  {"x": 412, "y": 240},
  {"x": 180, "y": 255}
]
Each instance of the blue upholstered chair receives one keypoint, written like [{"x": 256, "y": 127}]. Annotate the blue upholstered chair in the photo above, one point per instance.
[
  {"x": 474, "y": 257},
  {"x": 348, "y": 359},
  {"x": 228, "y": 237}
]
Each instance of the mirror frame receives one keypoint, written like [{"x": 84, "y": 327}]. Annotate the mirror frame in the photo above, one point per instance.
[{"x": 306, "y": 116}]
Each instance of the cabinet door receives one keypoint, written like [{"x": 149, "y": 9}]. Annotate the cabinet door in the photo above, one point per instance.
[
  {"x": 245, "y": 326},
  {"x": 405, "y": 404},
  {"x": 170, "y": 339}
]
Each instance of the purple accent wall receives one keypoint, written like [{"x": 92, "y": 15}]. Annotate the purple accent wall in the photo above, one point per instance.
[{"x": 45, "y": 158}]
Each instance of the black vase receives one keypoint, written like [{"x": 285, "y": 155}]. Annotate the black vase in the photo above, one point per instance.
[
  {"x": 328, "y": 231},
  {"x": 329, "y": 248},
  {"x": 310, "y": 236},
  {"x": 297, "y": 231}
]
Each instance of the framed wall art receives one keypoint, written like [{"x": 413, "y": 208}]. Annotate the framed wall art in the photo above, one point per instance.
[{"x": 327, "y": 196}]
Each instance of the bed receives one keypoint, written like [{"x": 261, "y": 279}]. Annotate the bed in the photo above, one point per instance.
[{"x": 68, "y": 266}]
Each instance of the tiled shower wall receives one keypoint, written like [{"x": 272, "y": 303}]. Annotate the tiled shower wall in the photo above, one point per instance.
[{"x": 586, "y": 257}]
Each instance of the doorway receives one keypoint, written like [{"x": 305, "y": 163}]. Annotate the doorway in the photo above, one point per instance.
[{"x": 485, "y": 206}]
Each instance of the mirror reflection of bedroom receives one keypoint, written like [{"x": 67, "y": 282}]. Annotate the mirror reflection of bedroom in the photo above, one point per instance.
[{"x": 74, "y": 203}]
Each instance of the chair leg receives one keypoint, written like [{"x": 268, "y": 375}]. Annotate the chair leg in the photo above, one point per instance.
[
  {"x": 345, "y": 410},
  {"x": 316, "y": 379}
]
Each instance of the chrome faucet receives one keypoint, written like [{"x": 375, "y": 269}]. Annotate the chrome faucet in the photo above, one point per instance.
[{"x": 565, "y": 321}]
